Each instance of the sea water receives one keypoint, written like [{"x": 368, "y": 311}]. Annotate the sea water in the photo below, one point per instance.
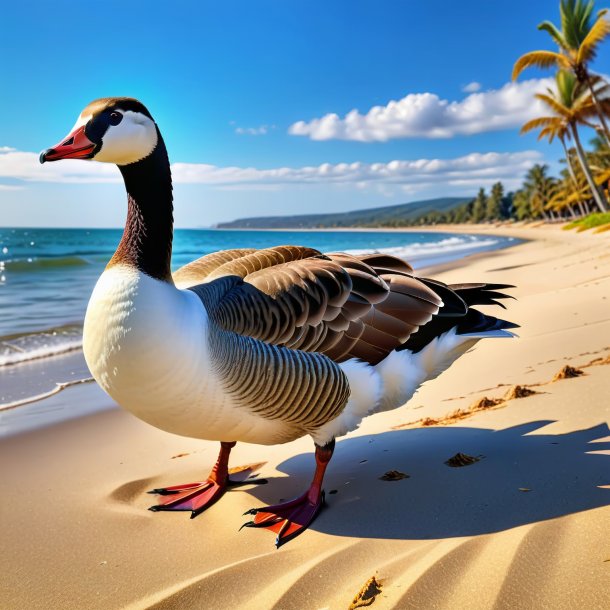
[{"x": 47, "y": 275}]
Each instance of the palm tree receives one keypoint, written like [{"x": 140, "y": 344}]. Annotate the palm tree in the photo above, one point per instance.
[
  {"x": 580, "y": 191},
  {"x": 578, "y": 41},
  {"x": 569, "y": 194},
  {"x": 539, "y": 188},
  {"x": 493, "y": 208},
  {"x": 571, "y": 105},
  {"x": 599, "y": 161},
  {"x": 479, "y": 206},
  {"x": 521, "y": 205}
]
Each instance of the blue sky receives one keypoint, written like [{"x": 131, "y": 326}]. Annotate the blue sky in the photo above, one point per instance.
[{"x": 252, "y": 86}]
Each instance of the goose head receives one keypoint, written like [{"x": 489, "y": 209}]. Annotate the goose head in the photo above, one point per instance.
[{"x": 116, "y": 130}]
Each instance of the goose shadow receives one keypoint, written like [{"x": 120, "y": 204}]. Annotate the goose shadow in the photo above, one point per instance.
[{"x": 525, "y": 477}]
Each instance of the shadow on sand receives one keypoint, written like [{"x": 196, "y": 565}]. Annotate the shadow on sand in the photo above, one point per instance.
[{"x": 560, "y": 470}]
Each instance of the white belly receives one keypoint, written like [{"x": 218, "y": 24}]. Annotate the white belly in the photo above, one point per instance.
[{"x": 145, "y": 343}]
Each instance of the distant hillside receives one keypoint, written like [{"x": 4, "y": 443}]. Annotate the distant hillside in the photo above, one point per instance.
[{"x": 385, "y": 216}]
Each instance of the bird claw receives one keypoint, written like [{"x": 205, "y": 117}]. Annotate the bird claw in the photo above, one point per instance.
[
  {"x": 287, "y": 520},
  {"x": 196, "y": 499}
]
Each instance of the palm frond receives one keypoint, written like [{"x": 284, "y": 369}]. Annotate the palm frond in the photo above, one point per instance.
[
  {"x": 550, "y": 132},
  {"x": 588, "y": 47},
  {"x": 553, "y": 31},
  {"x": 602, "y": 177},
  {"x": 583, "y": 16},
  {"x": 567, "y": 87},
  {"x": 575, "y": 21},
  {"x": 544, "y": 121},
  {"x": 540, "y": 59},
  {"x": 556, "y": 106},
  {"x": 602, "y": 90},
  {"x": 566, "y": 12}
]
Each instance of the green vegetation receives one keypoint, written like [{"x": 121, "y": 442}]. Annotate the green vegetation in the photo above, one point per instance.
[
  {"x": 578, "y": 41},
  {"x": 389, "y": 216},
  {"x": 578, "y": 99},
  {"x": 592, "y": 221}
]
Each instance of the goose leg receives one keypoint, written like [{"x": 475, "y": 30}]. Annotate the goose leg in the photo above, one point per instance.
[
  {"x": 196, "y": 497},
  {"x": 291, "y": 518}
]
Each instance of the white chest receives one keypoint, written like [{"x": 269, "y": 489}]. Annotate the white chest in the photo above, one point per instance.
[{"x": 145, "y": 344}]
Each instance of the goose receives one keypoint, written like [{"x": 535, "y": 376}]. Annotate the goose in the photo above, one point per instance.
[{"x": 258, "y": 346}]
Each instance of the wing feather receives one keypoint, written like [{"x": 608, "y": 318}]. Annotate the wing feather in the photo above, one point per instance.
[{"x": 340, "y": 305}]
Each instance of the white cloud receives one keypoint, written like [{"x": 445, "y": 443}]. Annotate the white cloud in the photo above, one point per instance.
[
  {"x": 472, "y": 87},
  {"x": 26, "y": 166},
  {"x": 425, "y": 115},
  {"x": 472, "y": 170},
  {"x": 253, "y": 131},
  {"x": 458, "y": 175}
]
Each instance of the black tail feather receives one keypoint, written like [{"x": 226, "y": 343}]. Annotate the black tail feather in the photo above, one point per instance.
[
  {"x": 457, "y": 312},
  {"x": 476, "y": 322},
  {"x": 453, "y": 303},
  {"x": 482, "y": 294}
]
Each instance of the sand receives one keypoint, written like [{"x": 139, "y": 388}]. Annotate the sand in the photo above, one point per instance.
[{"x": 526, "y": 525}]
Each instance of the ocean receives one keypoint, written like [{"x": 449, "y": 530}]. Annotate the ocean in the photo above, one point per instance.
[{"x": 47, "y": 275}]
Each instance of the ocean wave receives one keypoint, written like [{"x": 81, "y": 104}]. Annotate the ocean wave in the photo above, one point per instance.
[
  {"x": 15, "y": 349},
  {"x": 442, "y": 247},
  {"x": 34, "y": 263}
]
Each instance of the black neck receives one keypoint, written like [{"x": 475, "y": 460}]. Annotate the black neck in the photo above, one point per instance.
[{"x": 147, "y": 238}]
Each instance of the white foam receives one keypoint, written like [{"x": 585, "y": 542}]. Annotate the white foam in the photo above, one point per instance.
[
  {"x": 28, "y": 347},
  {"x": 444, "y": 247}
]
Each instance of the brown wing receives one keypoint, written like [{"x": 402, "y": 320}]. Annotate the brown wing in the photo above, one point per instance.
[
  {"x": 198, "y": 271},
  {"x": 340, "y": 305}
]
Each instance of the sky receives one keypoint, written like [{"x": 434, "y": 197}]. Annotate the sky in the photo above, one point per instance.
[{"x": 272, "y": 107}]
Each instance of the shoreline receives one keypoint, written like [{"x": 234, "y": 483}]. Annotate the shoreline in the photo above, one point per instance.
[
  {"x": 39, "y": 395},
  {"x": 526, "y": 524},
  {"x": 438, "y": 228}
]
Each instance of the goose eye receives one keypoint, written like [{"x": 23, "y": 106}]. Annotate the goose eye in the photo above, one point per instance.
[{"x": 115, "y": 118}]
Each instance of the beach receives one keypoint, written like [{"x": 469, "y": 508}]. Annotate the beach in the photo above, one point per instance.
[{"x": 525, "y": 524}]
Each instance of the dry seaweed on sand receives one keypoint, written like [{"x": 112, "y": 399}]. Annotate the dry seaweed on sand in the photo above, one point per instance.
[
  {"x": 428, "y": 421},
  {"x": 366, "y": 596},
  {"x": 484, "y": 403},
  {"x": 519, "y": 391},
  {"x": 568, "y": 372},
  {"x": 462, "y": 459},
  {"x": 394, "y": 475},
  {"x": 480, "y": 405}
]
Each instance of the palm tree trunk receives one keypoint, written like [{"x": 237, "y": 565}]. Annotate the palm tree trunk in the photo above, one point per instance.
[
  {"x": 572, "y": 175},
  {"x": 569, "y": 161},
  {"x": 571, "y": 171},
  {"x": 598, "y": 107},
  {"x": 599, "y": 200}
]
